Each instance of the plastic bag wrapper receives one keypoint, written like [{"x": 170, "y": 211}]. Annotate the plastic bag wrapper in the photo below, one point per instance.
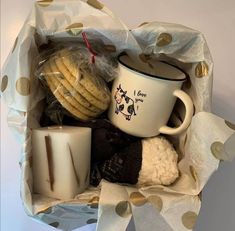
[
  {"x": 200, "y": 148},
  {"x": 83, "y": 50},
  {"x": 76, "y": 81}
]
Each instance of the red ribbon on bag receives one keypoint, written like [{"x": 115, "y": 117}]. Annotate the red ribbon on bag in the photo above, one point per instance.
[{"x": 88, "y": 45}]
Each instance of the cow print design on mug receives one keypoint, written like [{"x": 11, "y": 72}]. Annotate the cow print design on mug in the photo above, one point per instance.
[{"x": 124, "y": 103}]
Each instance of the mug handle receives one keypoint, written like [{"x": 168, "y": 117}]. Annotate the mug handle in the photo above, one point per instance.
[{"x": 188, "y": 114}]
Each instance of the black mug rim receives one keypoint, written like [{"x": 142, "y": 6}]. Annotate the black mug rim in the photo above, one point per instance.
[{"x": 151, "y": 75}]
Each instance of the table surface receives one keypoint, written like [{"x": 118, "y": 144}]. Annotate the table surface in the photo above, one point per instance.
[{"x": 216, "y": 19}]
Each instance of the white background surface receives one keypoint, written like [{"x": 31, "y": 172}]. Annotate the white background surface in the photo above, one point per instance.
[{"x": 216, "y": 19}]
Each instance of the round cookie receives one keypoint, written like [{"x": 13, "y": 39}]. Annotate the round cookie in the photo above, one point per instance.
[
  {"x": 92, "y": 85},
  {"x": 80, "y": 101},
  {"x": 48, "y": 74},
  {"x": 96, "y": 89},
  {"x": 82, "y": 89},
  {"x": 68, "y": 58}
]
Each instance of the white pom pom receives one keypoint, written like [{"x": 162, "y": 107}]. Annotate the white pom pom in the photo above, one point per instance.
[{"x": 159, "y": 162}]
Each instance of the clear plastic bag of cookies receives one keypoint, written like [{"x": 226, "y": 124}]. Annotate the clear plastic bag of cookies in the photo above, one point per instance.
[{"x": 77, "y": 74}]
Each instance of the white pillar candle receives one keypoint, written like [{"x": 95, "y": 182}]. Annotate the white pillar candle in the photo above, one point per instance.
[{"x": 61, "y": 161}]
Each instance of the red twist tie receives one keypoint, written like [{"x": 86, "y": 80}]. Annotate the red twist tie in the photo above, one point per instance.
[{"x": 88, "y": 45}]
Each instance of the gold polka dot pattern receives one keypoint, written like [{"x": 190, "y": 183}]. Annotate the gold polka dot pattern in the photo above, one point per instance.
[
  {"x": 137, "y": 199},
  {"x": 45, "y": 3},
  {"x": 201, "y": 69},
  {"x": 23, "y": 86},
  {"x": 217, "y": 149},
  {"x": 96, "y": 4},
  {"x": 164, "y": 39},
  {"x": 4, "y": 83},
  {"x": 230, "y": 125},
  {"x": 156, "y": 201},
  {"x": 74, "y": 29},
  {"x": 15, "y": 44},
  {"x": 189, "y": 219},
  {"x": 123, "y": 209}
]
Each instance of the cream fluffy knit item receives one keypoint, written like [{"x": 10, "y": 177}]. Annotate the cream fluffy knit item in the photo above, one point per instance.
[{"x": 159, "y": 162}]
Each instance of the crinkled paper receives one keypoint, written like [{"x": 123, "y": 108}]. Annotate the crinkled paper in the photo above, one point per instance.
[{"x": 200, "y": 148}]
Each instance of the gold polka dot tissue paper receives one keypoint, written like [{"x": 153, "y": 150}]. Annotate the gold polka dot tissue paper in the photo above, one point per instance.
[{"x": 201, "y": 147}]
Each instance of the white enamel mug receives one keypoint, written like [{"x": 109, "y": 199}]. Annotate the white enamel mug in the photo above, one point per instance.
[{"x": 143, "y": 97}]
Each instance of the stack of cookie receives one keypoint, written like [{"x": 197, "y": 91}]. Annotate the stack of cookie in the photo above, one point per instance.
[{"x": 85, "y": 96}]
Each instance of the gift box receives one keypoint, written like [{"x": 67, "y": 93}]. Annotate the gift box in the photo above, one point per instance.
[{"x": 200, "y": 148}]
